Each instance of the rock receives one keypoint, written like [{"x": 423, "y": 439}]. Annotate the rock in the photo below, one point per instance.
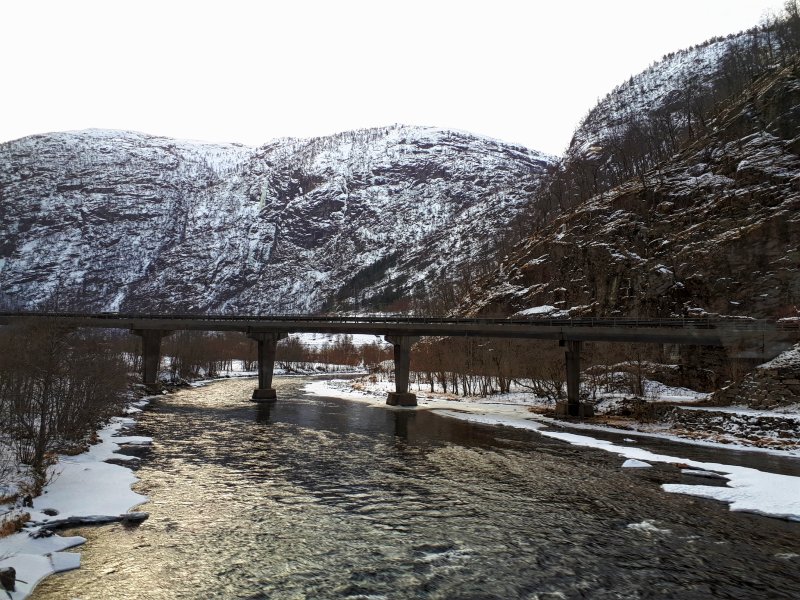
[
  {"x": 8, "y": 579},
  {"x": 42, "y": 533},
  {"x": 134, "y": 517}
]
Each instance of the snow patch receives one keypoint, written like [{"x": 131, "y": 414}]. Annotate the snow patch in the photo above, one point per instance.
[
  {"x": 632, "y": 463},
  {"x": 751, "y": 490},
  {"x": 542, "y": 311},
  {"x": 647, "y": 526}
]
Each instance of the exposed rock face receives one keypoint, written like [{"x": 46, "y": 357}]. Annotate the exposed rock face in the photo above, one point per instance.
[
  {"x": 716, "y": 229},
  {"x": 773, "y": 384},
  {"x": 110, "y": 220}
]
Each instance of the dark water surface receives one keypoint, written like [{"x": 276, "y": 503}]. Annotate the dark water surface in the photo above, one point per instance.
[{"x": 323, "y": 498}]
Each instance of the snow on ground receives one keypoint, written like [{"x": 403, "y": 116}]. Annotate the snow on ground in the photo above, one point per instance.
[
  {"x": 662, "y": 431},
  {"x": 543, "y": 311},
  {"x": 288, "y": 368},
  {"x": 656, "y": 391},
  {"x": 647, "y": 526},
  {"x": 282, "y": 368},
  {"x": 748, "y": 490},
  {"x": 785, "y": 360},
  {"x": 485, "y": 419},
  {"x": 81, "y": 486},
  {"x": 314, "y": 368},
  {"x": 514, "y": 405},
  {"x": 318, "y": 340},
  {"x": 518, "y": 403}
]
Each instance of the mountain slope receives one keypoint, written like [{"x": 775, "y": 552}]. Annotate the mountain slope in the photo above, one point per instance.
[
  {"x": 715, "y": 229},
  {"x": 110, "y": 220},
  {"x": 650, "y": 117}
]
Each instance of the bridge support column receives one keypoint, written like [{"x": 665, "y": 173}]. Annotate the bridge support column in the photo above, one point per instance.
[
  {"x": 402, "y": 361},
  {"x": 267, "y": 344},
  {"x": 573, "y": 407},
  {"x": 151, "y": 355}
]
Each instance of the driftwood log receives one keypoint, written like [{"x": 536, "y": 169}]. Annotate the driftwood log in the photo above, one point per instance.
[{"x": 45, "y": 529}]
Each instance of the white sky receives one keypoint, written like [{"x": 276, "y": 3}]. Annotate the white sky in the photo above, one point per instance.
[{"x": 250, "y": 70}]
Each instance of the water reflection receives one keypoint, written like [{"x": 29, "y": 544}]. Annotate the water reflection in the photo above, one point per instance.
[
  {"x": 320, "y": 498},
  {"x": 263, "y": 412},
  {"x": 401, "y": 423}
]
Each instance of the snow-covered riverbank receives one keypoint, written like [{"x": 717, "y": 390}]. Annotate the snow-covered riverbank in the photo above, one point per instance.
[
  {"x": 83, "y": 486},
  {"x": 747, "y": 489}
]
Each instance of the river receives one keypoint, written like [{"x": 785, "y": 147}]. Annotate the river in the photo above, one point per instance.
[{"x": 316, "y": 497}]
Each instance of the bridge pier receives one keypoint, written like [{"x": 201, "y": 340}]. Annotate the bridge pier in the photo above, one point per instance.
[
  {"x": 151, "y": 355},
  {"x": 402, "y": 362},
  {"x": 267, "y": 345},
  {"x": 573, "y": 407}
]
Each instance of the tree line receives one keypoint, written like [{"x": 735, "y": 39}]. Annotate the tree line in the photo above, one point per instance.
[
  {"x": 483, "y": 367},
  {"x": 57, "y": 386}
]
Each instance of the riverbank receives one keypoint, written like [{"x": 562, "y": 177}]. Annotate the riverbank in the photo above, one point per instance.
[
  {"x": 747, "y": 489},
  {"x": 84, "y": 487}
]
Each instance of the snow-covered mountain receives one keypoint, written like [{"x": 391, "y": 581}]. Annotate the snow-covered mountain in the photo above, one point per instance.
[{"x": 114, "y": 220}]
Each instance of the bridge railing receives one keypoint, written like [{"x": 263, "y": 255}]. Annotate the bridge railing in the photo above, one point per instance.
[{"x": 730, "y": 323}]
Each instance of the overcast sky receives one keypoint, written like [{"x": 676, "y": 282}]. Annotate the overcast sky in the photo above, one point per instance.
[{"x": 250, "y": 71}]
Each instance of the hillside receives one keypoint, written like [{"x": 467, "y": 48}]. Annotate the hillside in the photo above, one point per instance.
[
  {"x": 121, "y": 221},
  {"x": 715, "y": 229},
  {"x": 648, "y": 118}
]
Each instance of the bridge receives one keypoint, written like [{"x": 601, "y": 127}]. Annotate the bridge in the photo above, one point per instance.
[{"x": 402, "y": 332}]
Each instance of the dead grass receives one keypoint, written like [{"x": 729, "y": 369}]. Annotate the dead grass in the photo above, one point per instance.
[{"x": 12, "y": 523}]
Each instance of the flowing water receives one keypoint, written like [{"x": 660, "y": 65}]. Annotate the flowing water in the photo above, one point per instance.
[{"x": 323, "y": 498}]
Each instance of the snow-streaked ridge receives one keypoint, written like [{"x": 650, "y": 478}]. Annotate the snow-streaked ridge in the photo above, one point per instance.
[{"x": 115, "y": 220}]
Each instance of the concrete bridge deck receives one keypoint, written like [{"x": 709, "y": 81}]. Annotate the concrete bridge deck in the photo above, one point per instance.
[
  {"x": 402, "y": 332},
  {"x": 679, "y": 331}
]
